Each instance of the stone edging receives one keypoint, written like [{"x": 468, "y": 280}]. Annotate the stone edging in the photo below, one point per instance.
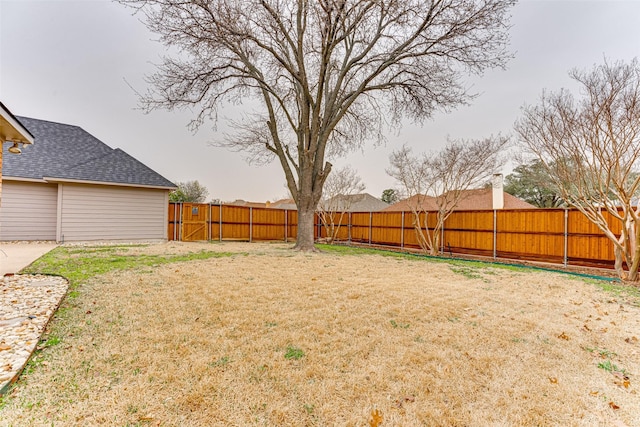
[{"x": 27, "y": 304}]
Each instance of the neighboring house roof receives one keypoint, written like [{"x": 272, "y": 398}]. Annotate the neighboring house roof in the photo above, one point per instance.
[
  {"x": 471, "y": 200},
  {"x": 288, "y": 204},
  {"x": 420, "y": 201},
  {"x": 240, "y": 202},
  {"x": 482, "y": 199},
  {"x": 69, "y": 153},
  {"x": 363, "y": 202}
]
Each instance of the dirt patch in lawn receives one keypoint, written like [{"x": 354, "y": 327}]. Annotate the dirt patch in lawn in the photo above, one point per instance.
[{"x": 274, "y": 337}]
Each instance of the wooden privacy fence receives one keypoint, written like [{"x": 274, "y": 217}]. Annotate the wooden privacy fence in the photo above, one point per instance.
[
  {"x": 197, "y": 221},
  {"x": 559, "y": 236}
]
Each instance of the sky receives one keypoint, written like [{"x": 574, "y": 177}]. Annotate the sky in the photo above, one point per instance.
[{"x": 81, "y": 62}]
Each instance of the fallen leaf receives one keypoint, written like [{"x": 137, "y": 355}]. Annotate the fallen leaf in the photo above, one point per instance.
[
  {"x": 586, "y": 327},
  {"x": 376, "y": 418},
  {"x": 613, "y": 405},
  {"x": 624, "y": 383},
  {"x": 553, "y": 380},
  {"x": 631, "y": 340},
  {"x": 620, "y": 375},
  {"x": 88, "y": 312},
  {"x": 564, "y": 336},
  {"x": 594, "y": 393}
]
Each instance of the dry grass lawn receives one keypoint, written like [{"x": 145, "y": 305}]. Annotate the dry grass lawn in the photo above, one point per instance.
[{"x": 277, "y": 338}]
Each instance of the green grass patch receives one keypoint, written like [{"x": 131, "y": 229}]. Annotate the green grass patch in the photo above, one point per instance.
[
  {"x": 601, "y": 351},
  {"x": 80, "y": 265},
  {"x": 467, "y": 265},
  {"x": 466, "y": 271},
  {"x": 628, "y": 292},
  {"x": 353, "y": 250},
  {"x": 293, "y": 353},
  {"x": 399, "y": 324},
  {"x": 610, "y": 367},
  {"x": 223, "y": 361}
]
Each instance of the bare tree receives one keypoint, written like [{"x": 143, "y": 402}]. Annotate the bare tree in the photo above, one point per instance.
[
  {"x": 590, "y": 148},
  {"x": 329, "y": 74},
  {"x": 437, "y": 181},
  {"x": 336, "y": 201},
  {"x": 190, "y": 191}
]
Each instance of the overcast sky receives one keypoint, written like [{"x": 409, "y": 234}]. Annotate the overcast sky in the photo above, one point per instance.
[{"x": 74, "y": 62}]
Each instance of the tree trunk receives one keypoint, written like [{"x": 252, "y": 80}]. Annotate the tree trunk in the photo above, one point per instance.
[
  {"x": 619, "y": 259},
  {"x": 305, "y": 240}
]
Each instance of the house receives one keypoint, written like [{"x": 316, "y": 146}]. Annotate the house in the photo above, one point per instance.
[
  {"x": 471, "y": 200},
  {"x": 70, "y": 186},
  {"x": 240, "y": 202},
  {"x": 13, "y": 132},
  {"x": 288, "y": 204},
  {"x": 420, "y": 202},
  {"x": 363, "y": 202}
]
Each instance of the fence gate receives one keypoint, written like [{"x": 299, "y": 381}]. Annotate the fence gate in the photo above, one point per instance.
[{"x": 195, "y": 218}]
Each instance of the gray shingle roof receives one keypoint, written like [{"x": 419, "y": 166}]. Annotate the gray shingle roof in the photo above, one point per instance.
[
  {"x": 69, "y": 152},
  {"x": 363, "y": 202}
]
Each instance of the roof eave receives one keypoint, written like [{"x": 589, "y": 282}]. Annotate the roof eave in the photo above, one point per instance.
[
  {"x": 18, "y": 133},
  {"x": 117, "y": 184}
]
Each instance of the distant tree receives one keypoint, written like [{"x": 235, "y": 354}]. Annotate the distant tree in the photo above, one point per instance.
[
  {"x": 531, "y": 182},
  {"x": 590, "y": 147},
  {"x": 390, "y": 196},
  {"x": 328, "y": 74},
  {"x": 190, "y": 191},
  {"x": 336, "y": 202},
  {"x": 445, "y": 175}
]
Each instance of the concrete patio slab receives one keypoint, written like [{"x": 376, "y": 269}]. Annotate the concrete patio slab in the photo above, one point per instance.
[{"x": 16, "y": 256}]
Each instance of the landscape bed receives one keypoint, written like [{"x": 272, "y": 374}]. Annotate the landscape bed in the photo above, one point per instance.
[{"x": 190, "y": 334}]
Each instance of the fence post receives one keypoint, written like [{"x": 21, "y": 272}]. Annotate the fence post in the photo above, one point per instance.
[
  {"x": 181, "y": 217},
  {"x": 286, "y": 225},
  {"x": 349, "y": 228},
  {"x": 250, "y": 224},
  {"x": 402, "y": 231},
  {"x": 566, "y": 237},
  {"x": 175, "y": 222},
  {"x": 370, "y": 219},
  {"x": 220, "y": 222},
  {"x": 209, "y": 224},
  {"x": 495, "y": 234}
]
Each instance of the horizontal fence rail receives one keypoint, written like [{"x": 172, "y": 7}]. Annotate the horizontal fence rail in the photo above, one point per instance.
[{"x": 558, "y": 236}]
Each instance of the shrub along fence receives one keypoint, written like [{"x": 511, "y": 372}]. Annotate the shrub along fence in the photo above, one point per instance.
[{"x": 559, "y": 236}]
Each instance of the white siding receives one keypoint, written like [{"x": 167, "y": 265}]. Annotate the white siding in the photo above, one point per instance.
[
  {"x": 28, "y": 211},
  {"x": 99, "y": 212}
]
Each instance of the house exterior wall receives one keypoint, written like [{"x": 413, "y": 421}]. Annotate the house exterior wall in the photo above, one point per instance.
[
  {"x": 102, "y": 212},
  {"x": 28, "y": 211},
  {"x": 1, "y": 149}
]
